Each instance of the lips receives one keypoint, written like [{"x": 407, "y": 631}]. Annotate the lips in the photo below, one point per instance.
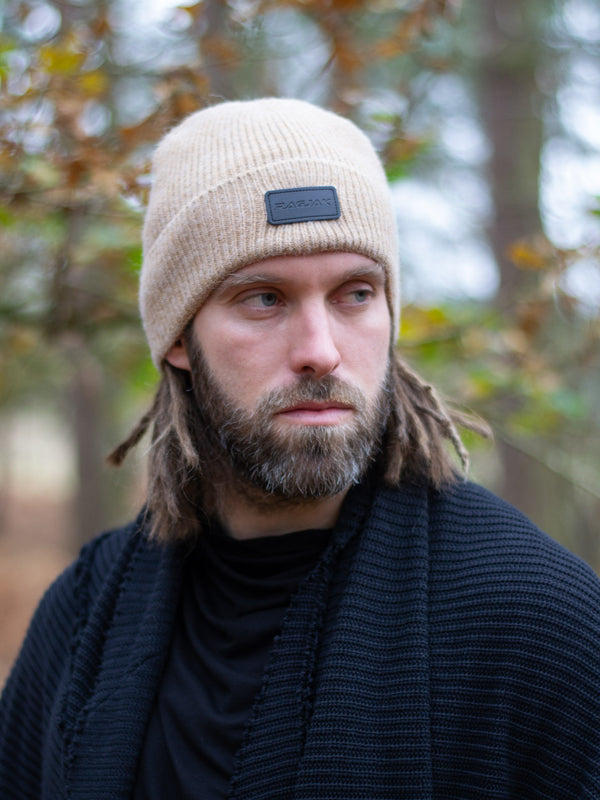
[{"x": 316, "y": 413}]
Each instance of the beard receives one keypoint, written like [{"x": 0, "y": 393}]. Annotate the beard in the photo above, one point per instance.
[{"x": 286, "y": 461}]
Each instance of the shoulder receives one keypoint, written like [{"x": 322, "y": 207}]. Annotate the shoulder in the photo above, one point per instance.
[
  {"x": 514, "y": 638},
  {"x": 490, "y": 563},
  {"x": 95, "y": 563},
  {"x": 484, "y": 553},
  {"x": 66, "y": 604},
  {"x": 469, "y": 521},
  {"x": 32, "y": 702},
  {"x": 111, "y": 554},
  {"x": 467, "y": 506}
]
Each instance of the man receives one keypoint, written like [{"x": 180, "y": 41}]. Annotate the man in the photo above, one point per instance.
[{"x": 315, "y": 603}]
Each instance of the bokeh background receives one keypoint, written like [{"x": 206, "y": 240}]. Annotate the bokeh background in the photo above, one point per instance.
[{"x": 487, "y": 115}]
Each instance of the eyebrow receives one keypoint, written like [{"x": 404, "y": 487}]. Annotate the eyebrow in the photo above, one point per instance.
[
  {"x": 366, "y": 271},
  {"x": 237, "y": 279}
]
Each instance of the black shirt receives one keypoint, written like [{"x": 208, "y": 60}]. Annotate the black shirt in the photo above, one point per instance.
[{"x": 233, "y": 600}]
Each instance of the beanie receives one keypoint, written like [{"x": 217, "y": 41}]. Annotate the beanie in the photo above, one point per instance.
[{"x": 239, "y": 182}]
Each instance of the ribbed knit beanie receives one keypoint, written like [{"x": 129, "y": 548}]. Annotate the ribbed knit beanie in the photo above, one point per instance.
[{"x": 239, "y": 182}]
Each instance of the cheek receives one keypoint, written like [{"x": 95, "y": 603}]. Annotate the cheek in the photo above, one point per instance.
[
  {"x": 237, "y": 358},
  {"x": 246, "y": 368},
  {"x": 378, "y": 369},
  {"x": 368, "y": 357}
]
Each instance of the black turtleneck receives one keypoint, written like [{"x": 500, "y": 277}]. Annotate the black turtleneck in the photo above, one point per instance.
[{"x": 233, "y": 600}]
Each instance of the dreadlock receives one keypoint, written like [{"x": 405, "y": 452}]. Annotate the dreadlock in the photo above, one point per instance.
[{"x": 182, "y": 455}]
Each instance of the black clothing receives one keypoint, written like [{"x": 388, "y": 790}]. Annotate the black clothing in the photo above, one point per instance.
[
  {"x": 233, "y": 599},
  {"x": 442, "y": 647}
]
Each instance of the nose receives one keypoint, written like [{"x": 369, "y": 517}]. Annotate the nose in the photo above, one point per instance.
[{"x": 313, "y": 350}]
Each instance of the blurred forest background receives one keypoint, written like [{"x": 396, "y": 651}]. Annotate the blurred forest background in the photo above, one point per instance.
[{"x": 487, "y": 115}]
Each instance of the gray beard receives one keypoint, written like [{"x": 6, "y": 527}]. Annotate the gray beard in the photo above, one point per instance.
[{"x": 290, "y": 462}]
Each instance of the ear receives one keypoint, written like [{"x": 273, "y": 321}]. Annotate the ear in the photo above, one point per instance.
[{"x": 177, "y": 356}]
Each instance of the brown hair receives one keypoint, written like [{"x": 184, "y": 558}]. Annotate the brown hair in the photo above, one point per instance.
[{"x": 182, "y": 457}]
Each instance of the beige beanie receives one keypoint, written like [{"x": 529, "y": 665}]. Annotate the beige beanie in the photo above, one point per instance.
[{"x": 243, "y": 181}]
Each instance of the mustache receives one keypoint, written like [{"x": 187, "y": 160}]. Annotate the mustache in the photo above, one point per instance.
[{"x": 326, "y": 389}]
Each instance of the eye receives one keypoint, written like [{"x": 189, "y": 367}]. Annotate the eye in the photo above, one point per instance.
[
  {"x": 361, "y": 295},
  {"x": 261, "y": 300},
  {"x": 268, "y": 299},
  {"x": 355, "y": 294}
]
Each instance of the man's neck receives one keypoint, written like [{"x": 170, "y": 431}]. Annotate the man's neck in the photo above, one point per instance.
[{"x": 249, "y": 515}]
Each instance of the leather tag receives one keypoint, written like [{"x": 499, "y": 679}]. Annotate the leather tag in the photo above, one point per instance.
[{"x": 304, "y": 204}]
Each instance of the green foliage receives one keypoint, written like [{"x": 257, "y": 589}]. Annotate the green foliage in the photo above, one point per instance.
[
  {"x": 84, "y": 99},
  {"x": 74, "y": 167}
]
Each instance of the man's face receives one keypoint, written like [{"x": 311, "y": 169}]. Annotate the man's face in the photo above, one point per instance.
[{"x": 289, "y": 363}]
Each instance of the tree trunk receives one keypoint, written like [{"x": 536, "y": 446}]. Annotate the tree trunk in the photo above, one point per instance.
[
  {"x": 510, "y": 105},
  {"x": 511, "y": 109},
  {"x": 90, "y": 511}
]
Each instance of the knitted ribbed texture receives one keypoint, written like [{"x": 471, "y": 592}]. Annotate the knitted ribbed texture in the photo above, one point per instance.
[
  {"x": 99, "y": 635},
  {"x": 207, "y": 216},
  {"x": 442, "y": 648},
  {"x": 514, "y": 629}
]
